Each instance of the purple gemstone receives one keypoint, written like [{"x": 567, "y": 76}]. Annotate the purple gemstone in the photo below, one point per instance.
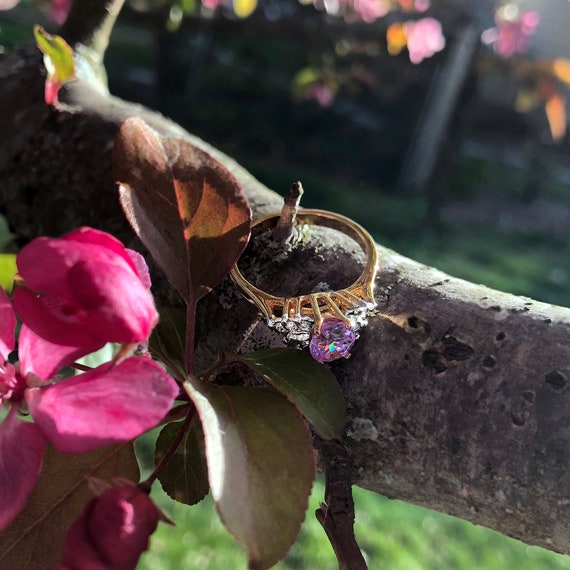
[{"x": 334, "y": 341}]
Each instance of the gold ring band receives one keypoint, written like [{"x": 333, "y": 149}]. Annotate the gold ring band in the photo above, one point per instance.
[{"x": 302, "y": 316}]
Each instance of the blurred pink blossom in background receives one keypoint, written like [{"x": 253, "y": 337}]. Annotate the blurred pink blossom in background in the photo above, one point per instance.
[
  {"x": 424, "y": 38},
  {"x": 321, "y": 93},
  {"x": 370, "y": 10},
  {"x": 514, "y": 28}
]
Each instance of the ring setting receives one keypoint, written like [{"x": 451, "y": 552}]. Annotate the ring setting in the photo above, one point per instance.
[{"x": 325, "y": 322}]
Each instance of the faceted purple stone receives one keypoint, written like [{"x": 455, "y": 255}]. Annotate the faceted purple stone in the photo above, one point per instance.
[{"x": 334, "y": 341}]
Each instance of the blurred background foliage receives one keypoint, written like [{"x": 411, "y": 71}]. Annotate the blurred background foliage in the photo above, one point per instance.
[{"x": 440, "y": 127}]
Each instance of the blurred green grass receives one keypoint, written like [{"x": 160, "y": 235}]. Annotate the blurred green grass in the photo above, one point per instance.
[{"x": 393, "y": 535}]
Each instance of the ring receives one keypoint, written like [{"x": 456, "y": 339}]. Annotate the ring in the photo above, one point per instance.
[{"x": 328, "y": 321}]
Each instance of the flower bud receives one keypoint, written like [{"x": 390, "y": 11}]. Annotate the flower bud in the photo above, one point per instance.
[{"x": 112, "y": 531}]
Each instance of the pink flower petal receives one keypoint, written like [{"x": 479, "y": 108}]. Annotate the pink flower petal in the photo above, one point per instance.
[
  {"x": 103, "y": 406},
  {"x": 22, "y": 448},
  {"x": 112, "y": 531},
  {"x": 118, "y": 307},
  {"x": 7, "y": 326},
  {"x": 142, "y": 267},
  {"x": 59, "y": 323},
  {"x": 44, "y": 358},
  {"x": 92, "y": 236}
]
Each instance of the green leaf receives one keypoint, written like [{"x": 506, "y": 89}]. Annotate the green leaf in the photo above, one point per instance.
[
  {"x": 186, "y": 207},
  {"x": 7, "y": 270},
  {"x": 35, "y": 539},
  {"x": 185, "y": 476},
  {"x": 260, "y": 465},
  {"x": 309, "y": 385},
  {"x": 58, "y": 55}
]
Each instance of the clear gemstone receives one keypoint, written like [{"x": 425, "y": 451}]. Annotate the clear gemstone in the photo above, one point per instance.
[
  {"x": 296, "y": 331},
  {"x": 334, "y": 341}
]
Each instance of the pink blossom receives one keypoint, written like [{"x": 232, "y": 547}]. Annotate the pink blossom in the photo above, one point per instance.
[
  {"x": 513, "y": 30},
  {"x": 424, "y": 38},
  {"x": 112, "y": 531},
  {"x": 113, "y": 403},
  {"x": 213, "y": 4},
  {"x": 84, "y": 290},
  {"x": 421, "y": 5},
  {"x": 370, "y": 10}
]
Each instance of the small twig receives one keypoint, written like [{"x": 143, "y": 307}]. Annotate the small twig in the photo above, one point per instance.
[
  {"x": 81, "y": 367},
  {"x": 284, "y": 228},
  {"x": 336, "y": 514}
]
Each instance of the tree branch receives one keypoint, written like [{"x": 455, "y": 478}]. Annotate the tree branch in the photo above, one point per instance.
[
  {"x": 458, "y": 396},
  {"x": 336, "y": 514}
]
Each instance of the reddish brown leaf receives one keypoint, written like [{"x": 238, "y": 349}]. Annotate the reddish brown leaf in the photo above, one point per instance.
[
  {"x": 34, "y": 540},
  {"x": 186, "y": 207}
]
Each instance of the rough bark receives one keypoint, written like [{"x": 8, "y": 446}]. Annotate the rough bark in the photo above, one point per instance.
[{"x": 458, "y": 396}]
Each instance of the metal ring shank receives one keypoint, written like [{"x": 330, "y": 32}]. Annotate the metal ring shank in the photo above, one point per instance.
[{"x": 359, "y": 295}]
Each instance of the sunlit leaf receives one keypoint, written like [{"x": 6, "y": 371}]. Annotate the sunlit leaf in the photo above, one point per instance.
[
  {"x": 7, "y": 270},
  {"x": 34, "y": 540},
  {"x": 309, "y": 385},
  {"x": 185, "y": 476},
  {"x": 555, "y": 109},
  {"x": 244, "y": 8},
  {"x": 260, "y": 465},
  {"x": 58, "y": 60},
  {"x": 187, "y": 208}
]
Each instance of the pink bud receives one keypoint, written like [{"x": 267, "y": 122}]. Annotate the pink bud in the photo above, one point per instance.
[
  {"x": 112, "y": 531},
  {"x": 84, "y": 289}
]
